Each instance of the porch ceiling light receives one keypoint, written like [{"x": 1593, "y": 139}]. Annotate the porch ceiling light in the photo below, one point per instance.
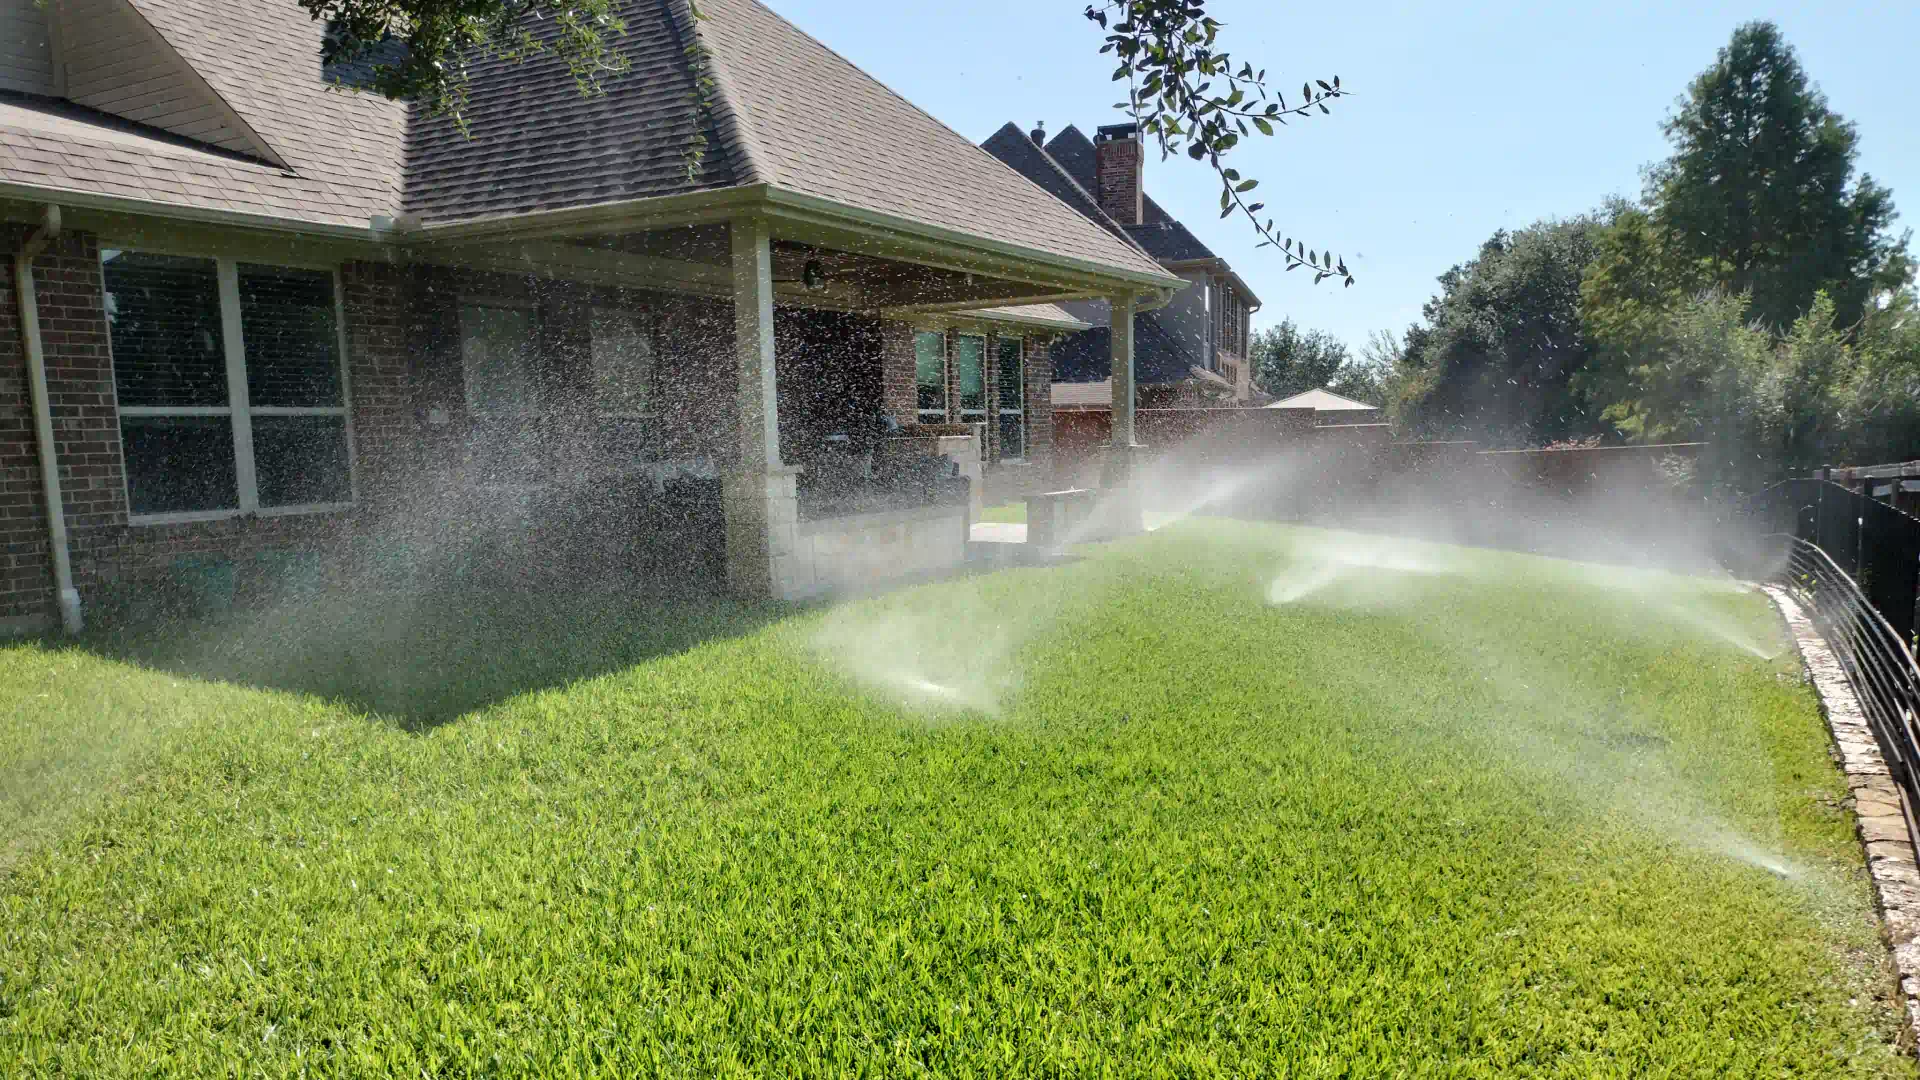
[{"x": 812, "y": 277}]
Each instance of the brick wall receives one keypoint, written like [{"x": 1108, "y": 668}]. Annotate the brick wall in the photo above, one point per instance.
[
  {"x": 1003, "y": 483},
  {"x": 379, "y": 375},
  {"x": 110, "y": 554},
  {"x": 1117, "y": 168},
  {"x": 897, "y": 391},
  {"x": 26, "y": 574}
]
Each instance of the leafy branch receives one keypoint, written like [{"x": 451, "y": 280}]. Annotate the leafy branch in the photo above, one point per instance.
[
  {"x": 420, "y": 50},
  {"x": 1183, "y": 90}
]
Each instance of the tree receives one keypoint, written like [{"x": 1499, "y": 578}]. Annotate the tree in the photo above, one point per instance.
[
  {"x": 1759, "y": 193},
  {"x": 1289, "y": 361},
  {"x": 1184, "y": 90},
  {"x": 1500, "y": 350}
]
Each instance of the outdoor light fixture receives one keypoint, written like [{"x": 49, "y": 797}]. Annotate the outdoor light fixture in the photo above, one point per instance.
[{"x": 812, "y": 277}]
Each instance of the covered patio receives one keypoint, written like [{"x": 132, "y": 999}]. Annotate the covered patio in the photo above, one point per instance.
[{"x": 800, "y": 316}]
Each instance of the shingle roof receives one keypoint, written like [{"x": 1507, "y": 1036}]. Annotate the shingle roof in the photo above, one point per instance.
[
  {"x": 1050, "y": 314},
  {"x": 265, "y": 63},
  {"x": 783, "y": 110},
  {"x": 1159, "y": 233},
  {"x": 61, "y": 147},
  {"x": 822, "y": 127},
  {"x": 537, "y": 143},
  {"x": 1158, "y": 357},
  {"x": 1323, "y": 401}
]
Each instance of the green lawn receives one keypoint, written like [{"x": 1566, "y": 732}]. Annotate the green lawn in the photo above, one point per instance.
[
  {"x": 1014, "y": 513},
  {"x": 1442, "y": 813}
]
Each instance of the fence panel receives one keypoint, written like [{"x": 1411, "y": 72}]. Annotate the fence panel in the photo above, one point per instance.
[{"x": 1874, "y": 544}]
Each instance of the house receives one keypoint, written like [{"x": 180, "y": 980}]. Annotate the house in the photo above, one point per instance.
[
  {"x": 1330, "y": 408},
  {"x": 260, "y": 323},
  {"x": 1191, "y": 352}
]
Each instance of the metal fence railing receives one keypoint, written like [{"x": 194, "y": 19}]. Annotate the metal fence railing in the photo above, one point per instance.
[
  {"x": 1876, "y": 657},
  {"x": 1870, "y": 541}
]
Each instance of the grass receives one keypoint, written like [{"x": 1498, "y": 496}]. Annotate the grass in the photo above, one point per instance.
[
  {"x": 1014, "y": 513},
  {"x": 1465, "y": 823}
]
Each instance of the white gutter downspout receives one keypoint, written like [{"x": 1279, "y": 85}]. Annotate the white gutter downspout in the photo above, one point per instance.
[{"x": 43, "y": 416}]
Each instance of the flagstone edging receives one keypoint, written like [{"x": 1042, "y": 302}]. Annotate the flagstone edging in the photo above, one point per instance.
[{"x": 1876, "y": 802}]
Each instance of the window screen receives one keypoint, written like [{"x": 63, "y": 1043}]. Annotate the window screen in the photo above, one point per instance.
[
  {"x": 293, "y": 342},
  {"x": 930, "y": 375},
  {"x": 179, "y": 464},
  {"x": 1013, "y": 401},
  {"x": 209, "y": 424},
  {"x": 969, "y": 363},
  {"x": 301, "y": 460},
  {"x": 163, "y": 319}
]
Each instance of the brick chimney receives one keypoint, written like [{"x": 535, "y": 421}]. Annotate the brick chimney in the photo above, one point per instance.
[{"x": 1117, "y": 160}]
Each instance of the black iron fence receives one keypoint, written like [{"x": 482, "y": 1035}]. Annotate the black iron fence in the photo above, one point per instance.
[
  {"x": 1874, "y": 544},
  {"x": 1876, "y": 657}
]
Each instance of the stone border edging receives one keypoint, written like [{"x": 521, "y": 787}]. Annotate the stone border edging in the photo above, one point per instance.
[{"x": 1876, "y": 802}]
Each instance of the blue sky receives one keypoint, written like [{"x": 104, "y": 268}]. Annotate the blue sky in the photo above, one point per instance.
[{"x": 1462, "y": 121}]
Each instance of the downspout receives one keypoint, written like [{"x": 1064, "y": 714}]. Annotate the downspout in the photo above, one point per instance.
[{"x": 23, "y": 290}]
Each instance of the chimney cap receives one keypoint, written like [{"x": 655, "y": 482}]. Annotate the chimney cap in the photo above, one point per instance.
[
  {"x": 1039, "y": 133},
  {"x": 1117, "y": 132}
]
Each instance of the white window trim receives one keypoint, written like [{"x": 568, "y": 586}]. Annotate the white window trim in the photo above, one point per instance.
[
  {"x": 227, "y": 271},
  {"x": 1001, "y": 412},
  {"x": 651, "y": 320}
]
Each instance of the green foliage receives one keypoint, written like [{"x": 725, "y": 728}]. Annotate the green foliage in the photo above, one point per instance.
[
  {"x": 1185, "y": 92},
  {"x": 1183, "y": 87},
  {"x": 724, "y": 858},
  {"x": 1499, "y": 352},
  {"x": 1760, "y": 192},
  {"x": 420, "y": 50},
  {"x": 1288, "y": 360}
]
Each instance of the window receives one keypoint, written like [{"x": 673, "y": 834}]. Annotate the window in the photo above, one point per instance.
[
  {"x": 930, "y": 376},
  {"x": 229, "y": 384},
  {"x": 1013, "y": 401},
  {"x": 970, "y": 371},
  {"x": 496, "y": 354},
  {"x": 623, "y": 362}
]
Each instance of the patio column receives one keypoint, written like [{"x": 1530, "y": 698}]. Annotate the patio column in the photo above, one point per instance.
[
  {"x": 1123, "y": 508},
  {"x": 1122, "y": 323},
  {"x": 759, "y": 493}
]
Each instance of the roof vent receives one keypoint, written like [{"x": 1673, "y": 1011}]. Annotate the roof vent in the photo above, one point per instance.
[{"x": 1039, "y": 133}]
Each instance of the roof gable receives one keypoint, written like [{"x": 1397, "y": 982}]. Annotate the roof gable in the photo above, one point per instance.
[
  {"x": 535, "y": 142},
  {"x": 1323, "y": 401},
  {"x": 773, "y": 107},
  {"x": 117, "y": 60},
  {"x": 265, "y": 60},
  {"x": 1162, "y": 235},
  {"x": 820, "y": 126}
]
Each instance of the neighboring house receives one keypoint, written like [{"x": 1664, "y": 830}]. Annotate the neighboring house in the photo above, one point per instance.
[
  {"x": 1193, "y": 351},
  {"x": 256, "y": 321},
  {"x": 1330, "y": 408}
]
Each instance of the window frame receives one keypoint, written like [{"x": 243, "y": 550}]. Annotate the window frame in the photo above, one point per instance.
[
  {"x": 940, "y": 415},
  {"x": 239, "y": 409},
  {"x": 1000, "y": 410},
  {"x": 649, "y": 319}
]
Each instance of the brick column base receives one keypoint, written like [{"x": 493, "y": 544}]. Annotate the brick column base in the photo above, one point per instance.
[{"x": 763, "y": 513}]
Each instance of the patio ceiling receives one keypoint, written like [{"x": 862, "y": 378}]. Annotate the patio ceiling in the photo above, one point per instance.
[{"x": 695, "y": 259}]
